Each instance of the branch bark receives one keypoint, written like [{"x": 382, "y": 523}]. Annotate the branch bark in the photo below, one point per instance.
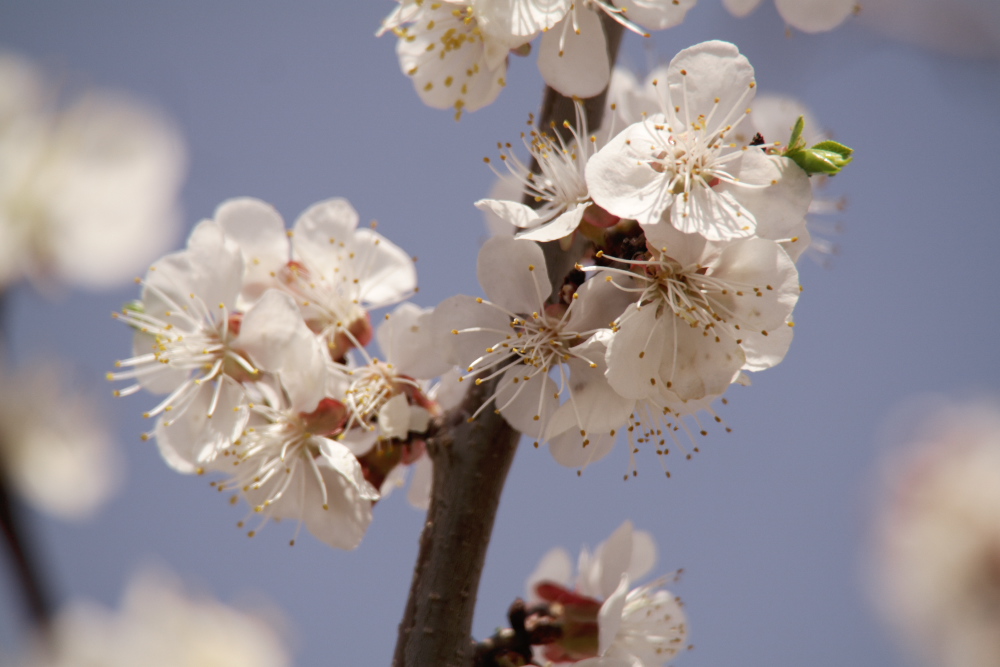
[
  {"x": 471, "y": 462},
  {"x": 24, "y": 560}
]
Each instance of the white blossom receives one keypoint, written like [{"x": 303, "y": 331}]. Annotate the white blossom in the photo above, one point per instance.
[
  {"x": 192, "y": 344},
  {"x": 55, "y": 450},
  {"x": 88, "y": 194},
  {"x": 288, "y": 464},
  {"x": 559, "y": 187},
  {"x": 573, "y": 56},
  {"x": 643, "y": 626},
  {"x": 517, "y": 336},
  {"x": 456, "y": 51},
  {"x": 938, "y": 537},
  {"x": 706, "y": 311},
  {"x": 680, "y": 166},
  {"x": 805, "y": 15},
  {"x": 161, "y": 625}
]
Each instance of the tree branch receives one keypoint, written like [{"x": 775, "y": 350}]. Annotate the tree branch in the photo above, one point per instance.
[
  {"x": 24, "y": 561},
  {"x": 471, "y": 462}
]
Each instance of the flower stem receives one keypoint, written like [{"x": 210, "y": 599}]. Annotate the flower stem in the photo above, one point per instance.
[{"x": 471, "y": 462}]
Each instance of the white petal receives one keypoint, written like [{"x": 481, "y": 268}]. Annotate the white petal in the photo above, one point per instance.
[
  {"x": 448, "y": 391},
  {"x": 609, "y": 618},
  {"x": 599, "y": 303},
  {"x": 460, "y": 76},
  {"x": 717, "y": 81},
  {"x": 568, "y": 450},
  {"x": 576, "y": 64},
  {"x": 644, "y": 555},
  {"x": 695, "y": 365},
  {"x": 277, "y": 339},
  {"x": 635, "y": 352},
  {"x": 526, "y": 404},
  {"x": 215, "y": 268},
  {"x": 329, "y": 222},
  {"x": 420, "y": 419},
  {"x": 815, "y": 15},
  {"x": 557, "y": 228},
  {"x": 764, "y": 265},
  {"x": 166, "y": 378},
  {"x": 359, "y": 440},
  {"x": 766, "y": 351},
  {"x": 408, "y": 341},
  {"x": 656, "y": 14},
  {"x": 479, "y": 325},
  {"x": 513, "y": 274},
  {"x": 780, "y": 207},
  {"x": 715, "y": 213},
  {"x": 621, "y": 181},
  {"x": 687, "y": 249},
  {"x": 593, "y": 406},
  {"x": 521, "y": 19},
  {"x": 260, "y": 232},
  {"x": 345, "y": 523},
  {"x": 193, "y": 440},
  {"x": 341, "y": 459},
  {"x": 555, "y": 566},
  {"x": 506, "y": 188},
  {"x": 394, "y": 418},
  {"x": 740, "y": 8},
  {"x": 419, "y": 494},
  {"x": 513, "y": 212},
  {"x": 384, "y": 271},
  {"x": 613, "y": 558}
]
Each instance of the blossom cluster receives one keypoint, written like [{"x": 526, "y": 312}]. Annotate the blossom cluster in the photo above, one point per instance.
[
  {"x": 686, "y": 281},
  {"x": 256, "y": 336},
  {"x": 456, "y": 51}
]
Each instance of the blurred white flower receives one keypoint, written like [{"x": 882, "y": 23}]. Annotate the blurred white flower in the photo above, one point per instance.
[
  {"x": 88, "y": 194},
  {"x": 806, "y": 15},
  {"x": 162, "y": 625},
  {"x": 965, "y": 28},
  {"x": 938, "y": 539},
  {"x": 54, "y": 449}
]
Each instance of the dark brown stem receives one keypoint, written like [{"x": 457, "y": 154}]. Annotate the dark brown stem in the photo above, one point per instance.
[
  {"x": 24, "y": 562},
  {"x": 471, "y": 461}
]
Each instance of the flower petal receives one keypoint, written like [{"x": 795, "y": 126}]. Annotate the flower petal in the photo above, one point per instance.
[
  {"x": 513, "y": 274},
  {"x": 575, "y": 61}
]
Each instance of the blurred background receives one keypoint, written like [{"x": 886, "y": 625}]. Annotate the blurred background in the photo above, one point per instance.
[{"x": 294, "y": 103}]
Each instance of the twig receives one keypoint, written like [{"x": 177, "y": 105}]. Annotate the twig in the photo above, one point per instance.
[{"x": 471, "y": 461}]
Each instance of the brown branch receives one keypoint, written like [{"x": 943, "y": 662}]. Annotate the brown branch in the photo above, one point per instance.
[
  {"x": 24, "y": 561},
  {"x": 471, "y": 461}
]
